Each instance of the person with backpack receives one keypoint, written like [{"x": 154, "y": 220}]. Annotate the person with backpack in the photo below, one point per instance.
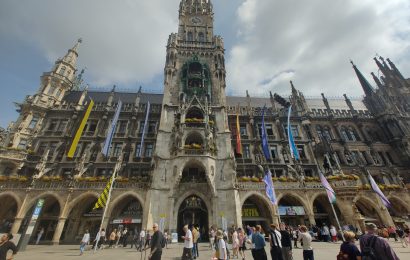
[
  {"x": 348, "y": 249},
  {"x": 374, "y": 247},
  {"x": 157, "y": 243},
  {"x": 275, "y": 239}
]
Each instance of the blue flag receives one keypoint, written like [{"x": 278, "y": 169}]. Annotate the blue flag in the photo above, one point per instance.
[
  {"x": 111, "y": 130},
  {"x": 292, "y": 146},
  {"x": 270, "y": 190},
  {"x": 265, "y": 145},
  {"x": 143, "y": 130}
]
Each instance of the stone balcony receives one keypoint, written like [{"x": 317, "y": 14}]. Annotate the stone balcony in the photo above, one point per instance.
[
  {"x": 340, "y": 184},
  {"x": 13, "y": 154}
]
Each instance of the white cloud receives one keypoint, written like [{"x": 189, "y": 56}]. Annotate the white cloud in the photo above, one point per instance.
[
  {"x": 314, "y": 40},
  {"x": 123, "y": 41}
]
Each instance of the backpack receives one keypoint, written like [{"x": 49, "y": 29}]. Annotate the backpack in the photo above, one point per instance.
[
  {"x": 368, "y": 251},
  {"x": 342, "y": 256},
  {"x": 163, "y": 241}
]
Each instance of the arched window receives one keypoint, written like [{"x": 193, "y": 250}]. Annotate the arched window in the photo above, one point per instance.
[
  {"x": 319, "y": 131},
  {"x": 327, "y": 133},
  {"x": 201, "y": 37},
  {"x": 353, "y": 135},
  {"x": 190, "y": 37},
  {"x": 345, "y": 134}
]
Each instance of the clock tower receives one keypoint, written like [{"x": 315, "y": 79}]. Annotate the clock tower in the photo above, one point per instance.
[{"x": 194, "y": 169}]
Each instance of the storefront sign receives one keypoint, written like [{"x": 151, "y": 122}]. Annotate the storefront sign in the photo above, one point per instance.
[
  {"x": 250, "y": 212},
  {"x": 291, "y": 211},
  {"x": 127, "y": 221}
]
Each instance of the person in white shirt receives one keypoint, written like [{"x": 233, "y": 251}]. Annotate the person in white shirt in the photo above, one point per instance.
[
  {"x": 142, "y": 240},
  {"x": 188, "y": 244},
  {"x": 275, "y": 242},
  {"x": 220, "y": 244},
  {"x": 306, "y": 240},
  {"x": 85, "y": 241}
]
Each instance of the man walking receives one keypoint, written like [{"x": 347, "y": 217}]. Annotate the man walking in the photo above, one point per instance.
[
  {"x": 286, "y": 241},
  {"x": 275, "y": 243},
  {"x": 141, "y": 240},
  {"x": 306, "y": 240},
  {"x": 188, "y": 244},
  {"x": 156, "y": 244},
  {"x": 85, "y": 241},
  {"x": 370, "y": 243}
]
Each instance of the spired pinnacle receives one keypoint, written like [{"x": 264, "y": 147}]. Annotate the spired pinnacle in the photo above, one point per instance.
[{"x": 195, "y": 7}]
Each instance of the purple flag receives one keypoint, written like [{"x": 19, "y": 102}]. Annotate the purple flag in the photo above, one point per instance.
[
  {"x": 330, "y": 192},
  {"x": 270, "y": 191},
  {"x": 376, "y": 189}
]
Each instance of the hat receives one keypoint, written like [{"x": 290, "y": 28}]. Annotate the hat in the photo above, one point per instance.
[
  {"x": 219, "y": 234},
  {"x": 371, "y": 226}
]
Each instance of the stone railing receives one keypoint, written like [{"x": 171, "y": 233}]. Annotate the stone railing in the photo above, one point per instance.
[
  {"x": 340, "y": 184},
  {"x": 14, "y": 154},
  {"x": 13, "y": 185},
  {"x": 194, "y": 151}
]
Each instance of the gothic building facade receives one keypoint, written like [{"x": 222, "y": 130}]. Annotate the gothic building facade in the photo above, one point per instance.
[{"x": 188, "y": 170}]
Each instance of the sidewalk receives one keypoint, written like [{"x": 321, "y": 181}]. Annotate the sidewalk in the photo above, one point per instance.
[{"x": 323, "y": 251}]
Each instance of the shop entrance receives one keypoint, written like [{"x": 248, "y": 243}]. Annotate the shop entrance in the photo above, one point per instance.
[{"x": 193, "y": 212}]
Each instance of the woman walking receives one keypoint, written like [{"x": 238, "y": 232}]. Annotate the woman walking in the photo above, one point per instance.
[
  {"x": 220, "y": 246},
  {"x": 112, "y": 237},
  {"x": 235, "y": 244},
  {"x": 333, "y": 234},
  {"x": 242, "y": 240}
]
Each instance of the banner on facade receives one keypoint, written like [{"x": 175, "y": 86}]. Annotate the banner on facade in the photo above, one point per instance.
[{"x": 291, "y": 211}]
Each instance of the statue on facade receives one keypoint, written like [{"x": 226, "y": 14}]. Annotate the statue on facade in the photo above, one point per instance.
[
  {"x": 3, "y": 134},
  {"x": 80, "y": 167},
  {"x": 42, "y": 166}
]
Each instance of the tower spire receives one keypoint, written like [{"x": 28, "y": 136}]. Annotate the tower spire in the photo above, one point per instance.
[{"x": 367, "y": 88}]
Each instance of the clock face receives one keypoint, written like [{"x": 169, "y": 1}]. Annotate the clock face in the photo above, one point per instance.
[{"x": 196, "y": 20}]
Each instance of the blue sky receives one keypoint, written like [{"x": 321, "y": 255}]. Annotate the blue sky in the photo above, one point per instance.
[{"x": 268, "y": 43}]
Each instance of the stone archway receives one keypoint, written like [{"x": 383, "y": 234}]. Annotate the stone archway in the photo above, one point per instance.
[
  {"x": 193, "y": 212},
  {"x": 47, "y": 220},
  {"x": 126, "y": 212},
  {"x": 256, "y": 211},
  {"x": 399, "y": 211},
  {"x": 323, "y": 212},
  {"x": 8, "y": 212},
  {"x": 81, "y": 217},
  {"x": 368, "y": 211},
  {"x": 293, "y": 211}
]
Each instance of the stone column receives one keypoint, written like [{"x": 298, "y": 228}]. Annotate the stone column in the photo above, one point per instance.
[
  {"x": 312, "y": 220},
  {"x": 16, "y": 225},
  {"x": 58, "y": 231}
]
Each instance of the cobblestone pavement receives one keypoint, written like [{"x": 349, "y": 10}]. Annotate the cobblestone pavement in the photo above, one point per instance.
[{"x": 323, "y": 251}]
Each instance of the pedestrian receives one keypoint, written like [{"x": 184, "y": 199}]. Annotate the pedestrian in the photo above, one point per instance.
[
  {"x": 325, "y": 233},
  {"x": 348, "y": 249},
  {"x": 157, "y": 243},
  {"x": 147, "y": 239},
  {"x": 166, "y": 239},
  {"x": 135, "y": 239},
  {"x": 118, "y": 237},
  {"x": 402, "y": 237},
  {"x": 85, "y": 241},
  {"x": 6, "y": 245},
  {"x": 112, "y": 237},
  {"x": 275, "y": 239},
  {"x": 333, "y": 233},
  {"x": 188, "y": 244},
  {"x": 195, "y": 237},
  {"x": 295, "y": 234},
  {"x": 306, "y": 241},
  {"x": 125, "y": 235},
  {"x": 39, "y": 235},
  {"x": 371, "y": 244},
  {"x": 392, "y": 233},
  {"x": 286, "y": 241},
  {"x": 211, "y": 237},
  {"x": 258, "y": 251},
  {"x": 242, "y": 239},
  {"x": 142, "y": 240},
  {"x": 235, "y": 243},
  {"x": 220, "y": 246}
]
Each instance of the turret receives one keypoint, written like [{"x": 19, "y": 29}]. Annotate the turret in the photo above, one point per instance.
[{"x": 367, "y": 88}]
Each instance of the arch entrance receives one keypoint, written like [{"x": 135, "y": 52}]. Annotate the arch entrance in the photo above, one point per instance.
[
  {"x": 82, "y": 217},
  {"x": 8, "y": 212},
  {"x": 255, "y": 211},
  {"x": 292, "y": 211},
  {"x": 127, "y": 213},
  {"x": 368, "y": 211},
  {"x": 399, "y": 211},
  {"x": 47, "y": 220},
  {"x": 324, "y": 213},
  {"x": 193, "y": 212}
]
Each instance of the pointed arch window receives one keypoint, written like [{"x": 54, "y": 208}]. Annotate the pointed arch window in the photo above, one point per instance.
[
  {"x": 345, "y": 134},
  {"x": 190, "y": 37},
  {"x": 201, "y": 37}
]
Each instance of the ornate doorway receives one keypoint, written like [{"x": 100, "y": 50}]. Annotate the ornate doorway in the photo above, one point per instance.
[{"x": 193, "y": 212}]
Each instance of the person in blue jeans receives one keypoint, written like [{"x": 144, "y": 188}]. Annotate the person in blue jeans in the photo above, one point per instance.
[{"x": 85, "y": 241}]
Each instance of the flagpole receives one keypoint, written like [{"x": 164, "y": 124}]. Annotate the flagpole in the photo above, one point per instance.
[
  {"x": 331, "y": 204},
  {"x": 117, "y": 166}
]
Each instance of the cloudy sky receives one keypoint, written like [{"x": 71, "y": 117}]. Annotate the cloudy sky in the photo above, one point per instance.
[{"x": 268, "y": 43}]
